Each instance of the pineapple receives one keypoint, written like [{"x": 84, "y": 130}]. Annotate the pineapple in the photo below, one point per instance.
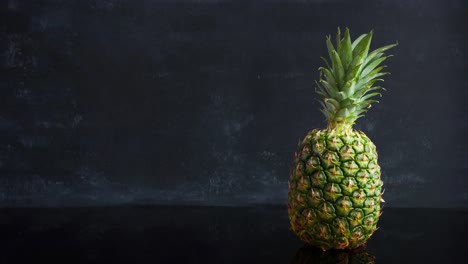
[{"x": 335, "y": 190}]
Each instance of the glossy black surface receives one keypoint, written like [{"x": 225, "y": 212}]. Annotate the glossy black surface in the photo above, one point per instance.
[{"x": 177, "y": 234}]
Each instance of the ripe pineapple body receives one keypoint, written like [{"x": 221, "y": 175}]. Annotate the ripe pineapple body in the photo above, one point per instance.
[{"x": 335, "y": 189}]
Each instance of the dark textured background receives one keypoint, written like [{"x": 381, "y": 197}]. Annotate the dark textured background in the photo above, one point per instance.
[{"x": 112, "y": 102}]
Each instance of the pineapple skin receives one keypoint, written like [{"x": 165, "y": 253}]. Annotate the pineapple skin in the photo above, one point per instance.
[{"x": 335, "y": 190}]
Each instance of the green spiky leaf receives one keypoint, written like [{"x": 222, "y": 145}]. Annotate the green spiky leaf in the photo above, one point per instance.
[
  {"x": 345, "y": 50},
  {"x": 338, "y": 67},
  {"x": 347, "y": 85}
]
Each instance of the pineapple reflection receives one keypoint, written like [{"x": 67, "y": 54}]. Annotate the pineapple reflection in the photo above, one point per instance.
[{"x": 309, "y": 255}]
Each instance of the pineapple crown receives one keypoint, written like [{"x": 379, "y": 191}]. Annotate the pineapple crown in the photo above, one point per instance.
[{"x": 347, "y": 87}]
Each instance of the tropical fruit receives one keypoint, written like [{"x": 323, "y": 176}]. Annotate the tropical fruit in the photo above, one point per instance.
[{"x": 335, "y": 190}]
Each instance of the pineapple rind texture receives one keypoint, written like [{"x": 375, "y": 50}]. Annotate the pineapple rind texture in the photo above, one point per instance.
[{"x": 335, "y": 190}]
